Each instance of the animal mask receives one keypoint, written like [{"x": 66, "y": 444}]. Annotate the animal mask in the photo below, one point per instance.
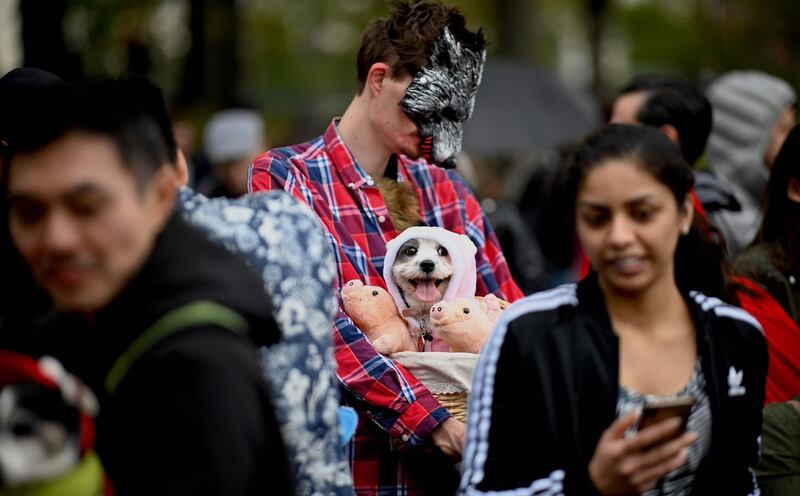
[{"x": 442, "y": 96}]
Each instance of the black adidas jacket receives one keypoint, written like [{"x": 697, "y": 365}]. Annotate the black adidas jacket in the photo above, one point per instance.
[{"x": 547, "y": 383}]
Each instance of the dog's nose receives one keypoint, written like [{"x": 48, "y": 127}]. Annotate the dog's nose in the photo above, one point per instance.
[{"x": 427, "y": 266}]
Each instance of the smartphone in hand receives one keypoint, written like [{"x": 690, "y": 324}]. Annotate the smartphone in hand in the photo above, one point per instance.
[{"x": 662, "y": 409}]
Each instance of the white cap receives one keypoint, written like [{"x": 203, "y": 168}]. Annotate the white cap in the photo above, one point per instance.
[{"x": 233, "y": 134}]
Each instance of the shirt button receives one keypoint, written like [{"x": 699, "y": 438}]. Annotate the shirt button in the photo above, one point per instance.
[
  {"x": 370, "y": 182},
  {"x": 381, "y": 218},
  {"x": 405, "y": 437},
  {"x": 351, "y": 185}
]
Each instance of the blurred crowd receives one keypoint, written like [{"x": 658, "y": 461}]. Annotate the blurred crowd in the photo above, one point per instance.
[{"x": 224, "y": 319}]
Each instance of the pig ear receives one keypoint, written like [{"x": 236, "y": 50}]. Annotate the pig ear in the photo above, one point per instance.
[{"x": 492, "y": 303}]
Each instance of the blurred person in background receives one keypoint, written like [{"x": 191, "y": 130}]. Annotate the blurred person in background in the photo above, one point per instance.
[
  {"x": 159, "y": 322},
  {"x": 681, "y": 111},
  {"x": 418, "y": 72},
  {"x": 772, "y": 263},
  {"x": 772, "y": 268},
  {"x": 231, "y": 139},
  {"x": 778, "y": 470},
  {"x": 753, "y": 113},
  {"x": 672, "y": 105}
]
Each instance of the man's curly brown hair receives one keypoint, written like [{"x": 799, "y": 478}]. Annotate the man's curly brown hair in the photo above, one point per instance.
[{"x": 404, "y": 39}]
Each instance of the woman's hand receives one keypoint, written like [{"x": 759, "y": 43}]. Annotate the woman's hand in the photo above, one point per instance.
[{"x": 633, "y": 465}]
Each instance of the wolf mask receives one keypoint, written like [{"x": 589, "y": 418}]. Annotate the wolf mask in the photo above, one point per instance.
[{"x": 442, "y": 96}]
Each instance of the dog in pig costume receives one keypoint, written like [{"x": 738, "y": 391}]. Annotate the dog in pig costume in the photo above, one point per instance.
[{"x": 430, "y": 275}]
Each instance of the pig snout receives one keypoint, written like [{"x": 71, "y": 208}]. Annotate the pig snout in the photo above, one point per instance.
[
  {"x": 438, "y": 312},
  {"x": 351, "y": 287}
]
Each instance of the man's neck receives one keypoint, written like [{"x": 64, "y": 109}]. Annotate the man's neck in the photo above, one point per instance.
[{"x": 362, "y": 139}]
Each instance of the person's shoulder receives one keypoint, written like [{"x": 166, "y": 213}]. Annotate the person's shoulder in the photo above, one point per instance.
[
  {"x": 737, "y": 321},
  {"x": 282, "y": 158},
  {"x": 539, "y": 313},
  {"x": 207, "y": 350},
  {"x": 529, "y": 326}
]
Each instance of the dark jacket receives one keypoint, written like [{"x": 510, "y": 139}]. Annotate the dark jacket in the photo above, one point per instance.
[
  {"x": 535, "y": 422},
  {"x": 191, "y": 415},
  {"x": 757, "y": 263}
]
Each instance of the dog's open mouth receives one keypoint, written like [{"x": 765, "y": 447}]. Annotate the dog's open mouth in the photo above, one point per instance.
[{"x": 426, "y": 288}]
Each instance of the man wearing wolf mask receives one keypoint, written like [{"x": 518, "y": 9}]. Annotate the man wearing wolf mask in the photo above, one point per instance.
[{"x": 418, "y": 73}]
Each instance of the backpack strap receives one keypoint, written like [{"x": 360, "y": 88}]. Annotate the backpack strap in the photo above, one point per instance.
[{"x": 176, "y": 320}]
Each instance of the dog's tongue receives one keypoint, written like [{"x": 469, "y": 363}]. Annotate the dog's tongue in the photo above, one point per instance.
[{"x": 426, "y": 290}]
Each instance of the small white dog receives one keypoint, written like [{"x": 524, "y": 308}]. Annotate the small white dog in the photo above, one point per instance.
[
  {"x": 422, "y": 271},
  {"x": 424, "y": 265}
]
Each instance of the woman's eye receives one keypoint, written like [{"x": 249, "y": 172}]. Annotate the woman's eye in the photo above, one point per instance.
[
  {"x": 594, "y": 220},
  {"x": 28, "y": 213},
  {"x": 643, "y": 214}
]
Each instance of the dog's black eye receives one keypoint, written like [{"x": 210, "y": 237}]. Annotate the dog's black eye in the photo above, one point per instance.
[
  {"x": 442, "y": 251},
  {"x": 411, "y": 251},
  {"x": 374, "y": 293},
  {"x": 21, "y": 430},
  {"x": 466, "y": 310}
]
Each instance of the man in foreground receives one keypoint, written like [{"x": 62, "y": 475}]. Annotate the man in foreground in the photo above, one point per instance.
[{"x": 158, "y": 321}]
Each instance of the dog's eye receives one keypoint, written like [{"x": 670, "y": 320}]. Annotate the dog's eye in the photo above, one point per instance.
[
  {"x": 21, "y": 430},
  {"x": 374, "y": 293},
  {"x": 442, "y": 251},
  {"x": 411, "y": 251},
  {"x": 466, "y": 310}
]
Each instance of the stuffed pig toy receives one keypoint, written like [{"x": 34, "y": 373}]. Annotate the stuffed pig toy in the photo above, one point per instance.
[
  {"x": 465, "y": 323},
  {"x": 373, "y": 311}
]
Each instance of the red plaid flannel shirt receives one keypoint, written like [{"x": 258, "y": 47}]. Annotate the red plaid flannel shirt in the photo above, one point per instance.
[{"x": 324, "y": 174}]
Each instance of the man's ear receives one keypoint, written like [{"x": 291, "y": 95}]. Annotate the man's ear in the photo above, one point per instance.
[
  {"x": 793, "y": 190},
  {"x": 181, "y": 169},
  {"x": 164, "y": 190},
  {"x": 671, "y": 133},
  {"x": 377, "y": 74}
]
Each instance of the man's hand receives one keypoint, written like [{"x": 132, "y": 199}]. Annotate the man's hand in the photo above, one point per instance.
[
  {"x": 449, "y": 438},
  {"x": 634, "y": 465}
]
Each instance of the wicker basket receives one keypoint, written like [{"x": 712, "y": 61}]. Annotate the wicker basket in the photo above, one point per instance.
[{"x": 448, "y": 376}]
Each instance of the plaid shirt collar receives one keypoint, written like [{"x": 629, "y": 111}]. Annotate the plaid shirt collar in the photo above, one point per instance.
[
  {"x": 345, "y": 164},
  {"x": 343, "y": 161}
]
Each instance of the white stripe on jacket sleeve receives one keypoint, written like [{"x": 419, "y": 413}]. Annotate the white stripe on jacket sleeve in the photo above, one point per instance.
[{"x": 480, "y": 400}]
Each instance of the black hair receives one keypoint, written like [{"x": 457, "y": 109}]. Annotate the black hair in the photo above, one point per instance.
[
  {"x": 131, "y": 112},
  {"x": 698, "y": 261},
  {"x": 673, "y": 100},
  {"x": 779, "y": 210}
]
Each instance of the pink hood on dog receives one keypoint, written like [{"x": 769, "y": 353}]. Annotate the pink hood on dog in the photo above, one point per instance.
[{"x": 462, "y": 254}]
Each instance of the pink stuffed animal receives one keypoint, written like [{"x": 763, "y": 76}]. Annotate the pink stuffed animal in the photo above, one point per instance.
[
  {"x": 373, "y": 311},
  {"x": 465, "y": 323}
]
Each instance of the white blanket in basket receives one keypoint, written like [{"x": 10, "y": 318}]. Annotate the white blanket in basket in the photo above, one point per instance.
[{"x": 441, "y": 372}]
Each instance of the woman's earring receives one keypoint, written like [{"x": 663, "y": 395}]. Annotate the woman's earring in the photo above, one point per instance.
[{"x": 685, "y": 229}]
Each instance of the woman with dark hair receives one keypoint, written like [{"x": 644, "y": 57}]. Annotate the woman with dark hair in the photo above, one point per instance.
[
  {"x": 771, "y": 268},
  {"x": 567, "y": 371},
  {"x": 773, "y": 260},
  {"x": 771, "y": 271}
]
